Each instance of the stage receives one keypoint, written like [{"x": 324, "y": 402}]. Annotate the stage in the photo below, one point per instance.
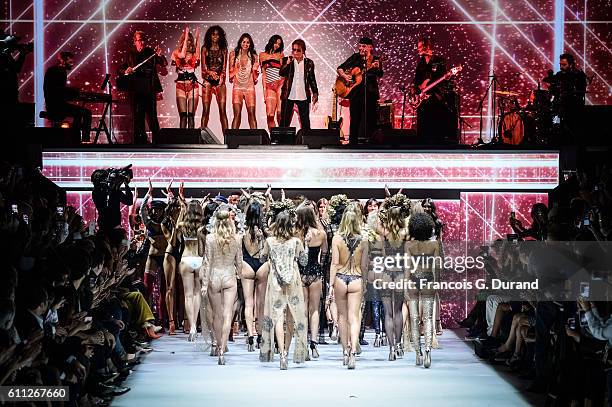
[{"x": 179, "y": 373}]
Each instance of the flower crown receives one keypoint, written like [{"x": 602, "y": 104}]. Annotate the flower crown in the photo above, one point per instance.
[
  {"x": 239, "y": 219},
  {"x": 335, "y": 202},
  {"x": 395, "y": 201},
  {"x": 277, "y": 207}
]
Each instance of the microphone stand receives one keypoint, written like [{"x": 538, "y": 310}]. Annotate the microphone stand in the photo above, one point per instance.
[
  {"x": 403, "y": 90},
  {"x": 481, "y": 108}
]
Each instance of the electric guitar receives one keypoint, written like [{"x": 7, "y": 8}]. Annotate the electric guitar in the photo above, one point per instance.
[
  {"x": 332, "y": 122},
  {"x": 416, "y": 100},
  {"x": 344, "y": 88}
]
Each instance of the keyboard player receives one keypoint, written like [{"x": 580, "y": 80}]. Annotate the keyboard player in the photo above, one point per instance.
[{"x": 58, "y": 95}]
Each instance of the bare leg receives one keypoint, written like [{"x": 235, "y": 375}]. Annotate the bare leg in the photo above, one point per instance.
[
  {"x": 170, "y": 274},
  {"x": 187, "y": 275},
  {"x": 314, "y": 304},
  {"x": 252, "y": 117},
  {"x": 248, "y": 289},
  {"x": 280, "y": 333},
  {"x": 354, "y": 296},
  {"x": 206, "y": 98},
  {"x": 237, "y": 115},
  {"x": 340, "y": 294},
  {"x": 512, "y": 336},
  {"x": 261, "y": 284},
  {"x": 221, "y": 96}
]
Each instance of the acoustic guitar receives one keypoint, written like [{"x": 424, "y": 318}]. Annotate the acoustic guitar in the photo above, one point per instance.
[{"x": 344, "y": 88}]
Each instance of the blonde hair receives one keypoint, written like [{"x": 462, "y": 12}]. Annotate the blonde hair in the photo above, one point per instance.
[
  {"x": 352, "y": 220},
  {"x": 395, "y": 223},
  {"x": 225, "y": 229}
]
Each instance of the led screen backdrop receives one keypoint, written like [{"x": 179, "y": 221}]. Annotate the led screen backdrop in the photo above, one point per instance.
[{"x": 516, "y": 38}]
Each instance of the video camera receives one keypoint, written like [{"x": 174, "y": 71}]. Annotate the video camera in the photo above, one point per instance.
[
  {"x": 11, "y": 43},
  {"x": 111, "y": 178}
]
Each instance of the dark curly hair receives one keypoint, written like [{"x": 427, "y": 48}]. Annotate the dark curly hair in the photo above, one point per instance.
[
  {"x": 421, "y": 226},
  {"x": 222, "y": 37}
]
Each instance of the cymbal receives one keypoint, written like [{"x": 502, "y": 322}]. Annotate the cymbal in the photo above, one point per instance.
[{"x": 503, "y": 92}]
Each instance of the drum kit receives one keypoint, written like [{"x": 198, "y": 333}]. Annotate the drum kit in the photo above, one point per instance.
[{"x": 519, "y": 125}]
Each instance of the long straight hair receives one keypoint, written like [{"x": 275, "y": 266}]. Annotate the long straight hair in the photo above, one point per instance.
[
  {"x": 251, "y": 50},
  {"x": 351, "y": 223}
]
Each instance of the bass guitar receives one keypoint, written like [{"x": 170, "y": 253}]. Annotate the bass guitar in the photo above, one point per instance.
[{"x": 416, "y": 100}]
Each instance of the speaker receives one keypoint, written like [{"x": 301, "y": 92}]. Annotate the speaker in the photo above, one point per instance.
[
  {"x": 173, "y": 135},
  {"x": 316, "y": 138},
  {"x": 397, "y": 137},
  {"x": 245, "y": 137},
  {"x": 282, "y": 136}
]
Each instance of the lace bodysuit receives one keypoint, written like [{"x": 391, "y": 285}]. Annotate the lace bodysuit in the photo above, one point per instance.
[
  {"x": 214, "y": 62},
  {"x": 221, "y": 264},
  {"x": 312, "y": 271}
]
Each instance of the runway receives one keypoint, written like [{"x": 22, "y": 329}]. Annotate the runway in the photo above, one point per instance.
[{"x": 177, "y": 374}]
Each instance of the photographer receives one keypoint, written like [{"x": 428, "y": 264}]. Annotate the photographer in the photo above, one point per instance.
[{"x": 108, "y": 197}]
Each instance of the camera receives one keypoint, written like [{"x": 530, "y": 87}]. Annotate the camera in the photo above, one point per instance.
[
  {"x": 11, "y": 43},
  {"x": 111, "y": 178}
]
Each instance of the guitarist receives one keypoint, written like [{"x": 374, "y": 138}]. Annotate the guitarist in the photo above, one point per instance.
[
  {"x": 364, "y": 97},
  {"x": 434, "y": 119}
]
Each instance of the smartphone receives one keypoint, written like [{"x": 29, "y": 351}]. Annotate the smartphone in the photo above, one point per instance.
[
  {"x": 26, "y": 219},
  {"x": 586, "y": 221},
  {"x": 60, "y": 210},
  {"x": 585, "y": 289},
  {"x": 92, "y": 228},
  {"x": 583, "y": 320},
  {"x": 14, "y": 209},
  {"x": 571, "y": 323},
  {"x": 87, "y": 319}
]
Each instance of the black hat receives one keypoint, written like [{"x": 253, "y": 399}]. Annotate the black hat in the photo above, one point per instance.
[{"x": 366, "y": 41}]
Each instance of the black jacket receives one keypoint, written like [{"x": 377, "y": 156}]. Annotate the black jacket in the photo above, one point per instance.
[
  {"x": 310, "y": 81},
  {"x": 371, "y": 79},
  {"x": 145, "y": 79}
]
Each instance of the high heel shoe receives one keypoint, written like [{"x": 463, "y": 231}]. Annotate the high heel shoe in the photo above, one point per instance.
[
  {"x": 392, "y": 353},
  {"x": 345, "y": 358},
  {"x": 283, "y": 361},
  {"x": 438, "y": 327},
  {"x": 334, "y": 334},
  {"x": 427, "y": 362},
  {"x": 313, "y": 348},
  {"x": 213, "y": 349},
  {"x": 150, "y": 331},
  {"x": 251, "y": 344},
  {"x": 419, "y": 357},
  {"x": 399, "y": 350},
  {"x": 258, "y": 345},
  {"x": 171, "y": 328},
  {"x": 377, "y": 341},
  {"x": 383, "y": 340},
  {"x": 186, "y": 326},
  {"x": 221, "y": 359},
  {"x": 192, "y": 335},
  {"x": 352, "y": 360}
]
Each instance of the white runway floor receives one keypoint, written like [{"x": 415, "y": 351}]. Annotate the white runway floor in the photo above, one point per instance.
[{"x": 176, "y": 374}]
